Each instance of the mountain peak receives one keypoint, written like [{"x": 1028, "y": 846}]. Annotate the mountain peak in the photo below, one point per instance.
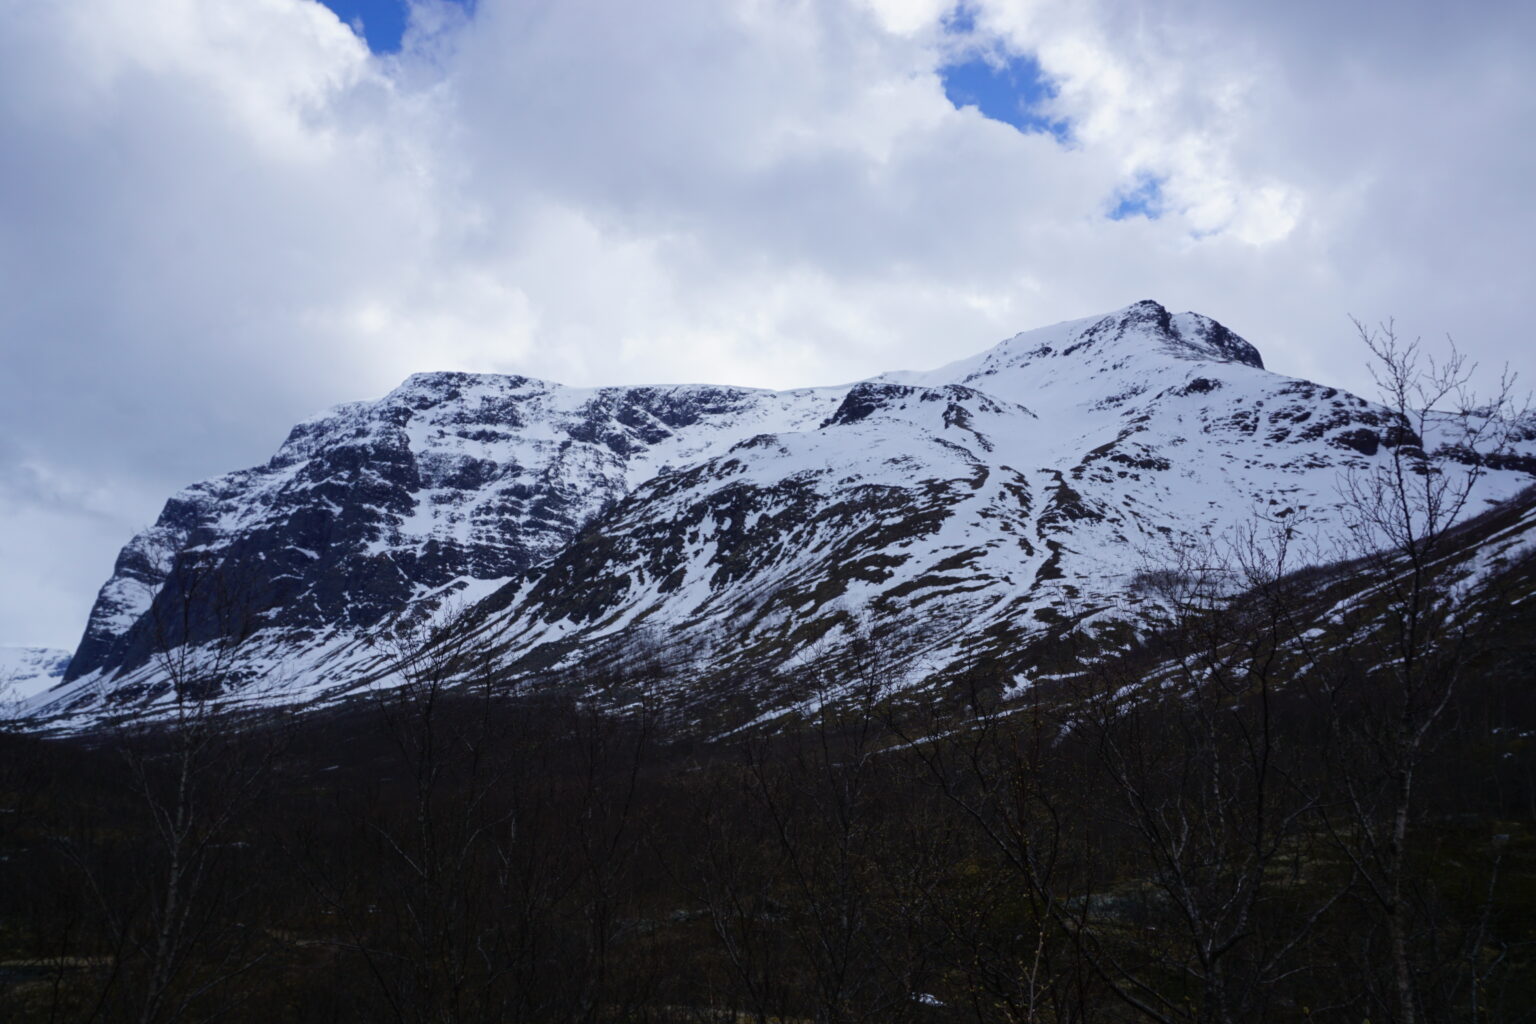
[
  {"x": 1183, "y": 335},
  {"x": 1206, "y": 338},
  {"x": 1095, "y": 356}
]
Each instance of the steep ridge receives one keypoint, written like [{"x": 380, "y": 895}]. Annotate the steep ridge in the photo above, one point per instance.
[{"x": 741, "y": 535}]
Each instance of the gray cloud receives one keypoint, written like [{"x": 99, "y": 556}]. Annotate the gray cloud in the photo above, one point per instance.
[{"x": 216, "y": 218}]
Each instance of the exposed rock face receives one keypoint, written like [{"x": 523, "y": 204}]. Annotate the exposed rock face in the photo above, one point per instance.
[
  {"x": 744, "y": 531},
  {"x": 451, "y": 480}
]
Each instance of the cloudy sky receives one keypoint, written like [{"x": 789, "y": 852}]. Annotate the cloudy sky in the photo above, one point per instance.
[{"x": 220, "y": 216}]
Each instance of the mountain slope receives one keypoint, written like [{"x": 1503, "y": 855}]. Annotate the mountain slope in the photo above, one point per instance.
[
  {"x": 28, "y": 671},
  {"x": 952, "y": 523},
  {"x": 449, "y": 482}
]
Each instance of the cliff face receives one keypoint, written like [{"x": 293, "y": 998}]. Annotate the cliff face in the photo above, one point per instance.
[
  {"x": 450, "y": 482},
  {"x": 744, "y": 533}
]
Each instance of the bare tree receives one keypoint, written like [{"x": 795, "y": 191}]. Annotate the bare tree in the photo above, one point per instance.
[
  {"x": 1397, "y": 673},
  {"x": 422, "y": 877},
  {"x": 171, "y": 894},
  {"x": 1208, "y": 785},
  {"x": 484, "y": 871}
]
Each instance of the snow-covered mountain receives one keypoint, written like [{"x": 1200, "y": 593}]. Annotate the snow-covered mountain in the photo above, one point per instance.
[
  {"x": 28, "y": 671},
  {"x": 740, "y": 536}
]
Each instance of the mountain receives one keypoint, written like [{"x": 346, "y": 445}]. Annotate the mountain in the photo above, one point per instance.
[
  {"x": 739, "y": 538},
  {"x": 27, "y": 671}
]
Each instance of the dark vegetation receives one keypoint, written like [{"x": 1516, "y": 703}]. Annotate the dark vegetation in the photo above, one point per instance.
[
  {"x": 1199, "y": 828},
  {"x": 1315, "y": 800}
]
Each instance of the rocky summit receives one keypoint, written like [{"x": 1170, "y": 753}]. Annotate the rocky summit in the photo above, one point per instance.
[{"x": 739, "y": 537}]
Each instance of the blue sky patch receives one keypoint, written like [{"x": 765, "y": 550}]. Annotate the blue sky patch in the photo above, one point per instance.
[
  {"x": 961, "y": 21},
  {"x": 1008, "y": 88},
  {"x": 382, "y": 21},
  {"x": 1144, "y": 199}
]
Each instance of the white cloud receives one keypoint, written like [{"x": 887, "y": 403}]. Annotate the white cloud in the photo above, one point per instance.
[
  {"x": 909, "y": 17},
  {"x": 219, "y": 215}
]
